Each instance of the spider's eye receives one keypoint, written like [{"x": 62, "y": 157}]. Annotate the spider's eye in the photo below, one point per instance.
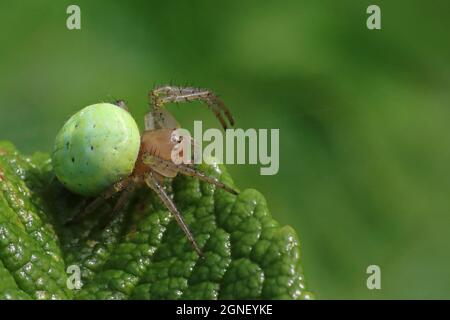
[{"x": 175, "y": 138}]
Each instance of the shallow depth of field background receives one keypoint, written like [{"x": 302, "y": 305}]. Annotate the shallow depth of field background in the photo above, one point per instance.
[{"x": 364, "y": 116}]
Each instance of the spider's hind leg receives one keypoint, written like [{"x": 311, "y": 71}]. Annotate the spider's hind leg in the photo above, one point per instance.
[
  {"x": 99, "y": 200},
  {"x": 120, "y": 204},
  {"x": 121, "y": 104}
]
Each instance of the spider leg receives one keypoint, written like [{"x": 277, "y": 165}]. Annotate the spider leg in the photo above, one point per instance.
[
  {"x": 152, "y": 182},
  {"x": 121, "y": 104},
  {"x": 160, "y": 96},
  {"x": 187, "y": 170},
  {"x": 160, "y": 118},
  {"x": 121, "y": 202},
  {"x": 193, "y": 172},
  {"x": 98, "y": 201}
]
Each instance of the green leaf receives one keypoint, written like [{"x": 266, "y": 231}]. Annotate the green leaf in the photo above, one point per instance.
[{"x": 142, "y": 254}]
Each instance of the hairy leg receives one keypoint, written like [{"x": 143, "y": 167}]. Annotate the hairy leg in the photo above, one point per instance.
[
  {"x": 121, "y": 104},
  {"x": 160, "y": 96},
  {"x": 120, "y": 204},
  {"x": 108, "y": 193},
  {"x": 159, "y": 119},
  {"x": 152, "y": 182},
  {"x": 187, "y": 170}
]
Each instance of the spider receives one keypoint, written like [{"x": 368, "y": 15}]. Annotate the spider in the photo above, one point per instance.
[{"x": 90, "y": 152}]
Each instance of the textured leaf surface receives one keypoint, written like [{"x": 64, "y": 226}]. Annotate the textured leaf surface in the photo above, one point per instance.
[{"x": 142, "y": 254}]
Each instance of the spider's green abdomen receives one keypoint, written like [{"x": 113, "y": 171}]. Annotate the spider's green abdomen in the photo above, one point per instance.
[{"x": 95, "y": 148}]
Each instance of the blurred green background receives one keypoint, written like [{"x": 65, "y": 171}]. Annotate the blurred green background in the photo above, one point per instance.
[{"x": 364, "y": 115}]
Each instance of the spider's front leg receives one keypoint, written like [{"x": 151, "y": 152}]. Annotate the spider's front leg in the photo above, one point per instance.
[
  {"x": 187, "y": 170},
  {"x": 159, "y": 164},
  {"x": 160, "y": 96},
  {"x": 152, "y": 181}
]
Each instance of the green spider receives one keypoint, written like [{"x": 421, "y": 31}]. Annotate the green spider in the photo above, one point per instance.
[{"x": 99, "y": 151}]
